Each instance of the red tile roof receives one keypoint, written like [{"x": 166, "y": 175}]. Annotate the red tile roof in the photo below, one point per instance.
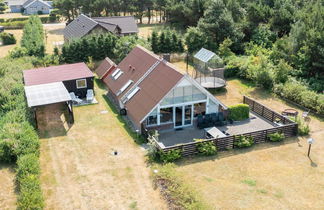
[
  {"x": 56, "y": 74},
  {"x": 105, "y": 67},
  {"x": 152, "y": 89}
]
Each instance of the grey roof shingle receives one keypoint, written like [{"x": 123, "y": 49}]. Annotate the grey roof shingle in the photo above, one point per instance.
[
  {"x": 79, "y": 27},
  {"x": 127, "y": 24},
  {"x": 82, "y": 25}
]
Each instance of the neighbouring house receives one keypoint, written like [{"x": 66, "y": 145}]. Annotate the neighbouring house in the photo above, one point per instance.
[
  {"x": 154, "y": 94},
  {"x": 30, "y": 7},
  {"x": 84, "y": 25}
]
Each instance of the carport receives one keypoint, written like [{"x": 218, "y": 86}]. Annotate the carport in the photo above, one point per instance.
[{"x": 45, "y": 94}]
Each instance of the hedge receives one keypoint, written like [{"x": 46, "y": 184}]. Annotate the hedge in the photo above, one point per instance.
[
  {"x": 19, "y": 23},
  {"x": 7, "y": 38},
  {"x": 300, "y": 94},
  {"x": 18, "y": 138},
  {"x": 30, "y": 195},
  {"x": 239, "y": 112}
]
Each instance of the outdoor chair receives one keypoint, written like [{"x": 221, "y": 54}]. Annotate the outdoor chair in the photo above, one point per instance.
[
  {"x": 90, "y": 95},
  {"x": 208, "y": 120},
  {"x": 74, "y": 98},
  {"x": 214, "y": 118},
  {"x": 200, "y": 122}
]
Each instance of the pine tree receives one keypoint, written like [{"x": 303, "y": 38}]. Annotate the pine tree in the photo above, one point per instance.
[{"x": 155, "y": 42}]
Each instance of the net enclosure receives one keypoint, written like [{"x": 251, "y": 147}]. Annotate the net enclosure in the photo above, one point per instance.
[
  {"x": 209, "y": 69},
  {"x": 44, "y": 94}
]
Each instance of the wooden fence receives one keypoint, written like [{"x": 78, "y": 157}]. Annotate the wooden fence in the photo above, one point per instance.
[{"x": 288, "y": 128}]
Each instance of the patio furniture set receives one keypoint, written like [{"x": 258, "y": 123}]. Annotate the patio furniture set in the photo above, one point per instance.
[
  {"x": 211, "y": 120},
  {"x": 78, "y": 101}
]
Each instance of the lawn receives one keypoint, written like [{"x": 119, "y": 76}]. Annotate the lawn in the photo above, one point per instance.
[
  {"x": 267, "y": 176},
  {"x": 79, "y": 170},
  {"x": 54, "y": 33},
  {"x": 7, "y": 185}
]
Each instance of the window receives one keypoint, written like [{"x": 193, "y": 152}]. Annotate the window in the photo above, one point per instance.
[
  {"x": 183, "y": 94},
  {"x": 152, "y": 118},
  {"x": 117, "y": 73},
  {"x": 166, "y": 115},
  {"x": 81, "y": 83},
  {"x": 199, "y": 108},
  {"x": 124, "y": 87},
  {"x": 131, "y": 94}
]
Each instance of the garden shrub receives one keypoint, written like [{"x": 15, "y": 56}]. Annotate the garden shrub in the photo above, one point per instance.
[
  {"x": 7, "y": 38},
  {"x": 274, "y": 137},
  {"x": 243, "y": 141},
  {"x": 18, "y": 52},
  {"x": 303, "y": 127},
  {"x": 30, "y": 196},
  {"x": 170, "y": 156},
  {"x": 7, "y": 150},
  {"x": 298, "y": 93},
  {"x": 27, "y": 165},
  {"x": 239, "y": 112},
  {"x": 206, "y": 148}
]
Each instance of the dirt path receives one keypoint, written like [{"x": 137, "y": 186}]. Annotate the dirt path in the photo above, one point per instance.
[
  {"x": 8, "y": 195},
  {"x": 79, "y": 170}
]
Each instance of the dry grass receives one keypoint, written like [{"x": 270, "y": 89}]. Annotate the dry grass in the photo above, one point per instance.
[
  {"x": 145, "y": 30},
  {"x": 79, "y": 170},
  {"x": 54, "y": 34},
  {"x": 16, "y": 15},
  {"x": 7, "y": 187},
  {"x": 268, "y": 176}
]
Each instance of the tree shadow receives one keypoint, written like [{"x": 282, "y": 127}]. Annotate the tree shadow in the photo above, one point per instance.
[{"x": 58, "y": 31}]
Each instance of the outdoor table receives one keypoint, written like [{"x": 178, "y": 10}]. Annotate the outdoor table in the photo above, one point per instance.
[{"x": 214, "y": 132}]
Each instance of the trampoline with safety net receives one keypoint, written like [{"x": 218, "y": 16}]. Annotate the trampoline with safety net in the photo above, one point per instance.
[{"x": 209, "y": 69}]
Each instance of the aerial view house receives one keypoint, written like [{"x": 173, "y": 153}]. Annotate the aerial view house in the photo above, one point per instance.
[
  {"x": 84, "y": 25},
  {"x": 154, "y": 95},
  {"x": 30, "y": 7}
]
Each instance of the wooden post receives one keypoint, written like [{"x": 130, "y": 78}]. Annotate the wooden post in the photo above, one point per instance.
[
  {"x": 262, "y": 111},
  {"x": 253, "y": 105},
  {"x": 272, "y": 116}
]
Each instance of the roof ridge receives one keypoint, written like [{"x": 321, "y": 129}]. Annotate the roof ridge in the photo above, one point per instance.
[
  {"x": 87, "y": 18},
  {"x": 114, "y": 17},
  {"x": 148, "y": 51}
]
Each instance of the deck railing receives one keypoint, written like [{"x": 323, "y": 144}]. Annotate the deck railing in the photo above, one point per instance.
[{"x": 286, "y": 126}]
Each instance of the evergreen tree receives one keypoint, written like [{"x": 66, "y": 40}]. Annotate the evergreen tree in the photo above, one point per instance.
[
  {"x": 194, "y": 39},
  {"x": 155, "y": 42},
  {"x": 33, "y": 37}
]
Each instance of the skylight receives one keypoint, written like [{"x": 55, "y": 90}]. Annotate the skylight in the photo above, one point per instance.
[
  {"x": 124, "y": 87},
  {"x": 118, "y": 75},
  {"x": 131, "y": 94},
  {"x": 115, "y": 72}
]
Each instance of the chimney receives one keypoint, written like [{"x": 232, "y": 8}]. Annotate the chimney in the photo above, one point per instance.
[{"x": 167, "y": 57}]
